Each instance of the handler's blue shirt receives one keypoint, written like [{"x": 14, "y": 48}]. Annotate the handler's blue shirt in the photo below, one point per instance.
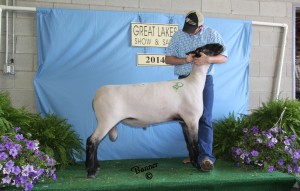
[{"x": 182, "y": 42}]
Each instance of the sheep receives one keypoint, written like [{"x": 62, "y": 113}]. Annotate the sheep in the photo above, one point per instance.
[{"x": 162, "y": 101}]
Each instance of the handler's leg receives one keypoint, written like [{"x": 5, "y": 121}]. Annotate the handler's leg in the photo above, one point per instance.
[{"x": 205, "y": 132}]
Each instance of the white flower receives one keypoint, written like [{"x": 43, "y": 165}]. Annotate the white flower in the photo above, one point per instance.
[
  {"x": 36, "y": 144},
  {"x": 274, "y": 129},
  {"x": 274, "y": 140},
  {"x": 242, "y": 156},
  {"x": 259, "y": 140},
  {"x": 6, "y": 170}
]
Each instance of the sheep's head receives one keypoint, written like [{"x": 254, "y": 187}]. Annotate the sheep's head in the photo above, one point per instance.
[{"x": 212, "y": 49}]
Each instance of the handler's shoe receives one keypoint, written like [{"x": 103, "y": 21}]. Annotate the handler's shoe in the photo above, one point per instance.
[{"x": 206, "y": 165}]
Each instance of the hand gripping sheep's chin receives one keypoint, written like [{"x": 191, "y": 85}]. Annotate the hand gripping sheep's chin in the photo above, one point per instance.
[
  {"x": 162, "y": 102},
  {"x": 209, "y": 50}
]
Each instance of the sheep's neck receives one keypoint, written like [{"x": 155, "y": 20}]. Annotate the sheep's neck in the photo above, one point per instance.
[{"x": 199, "y": 72}]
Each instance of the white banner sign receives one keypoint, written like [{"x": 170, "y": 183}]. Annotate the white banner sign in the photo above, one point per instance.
[
  {"x": 151, "y": 60},
  {"x": 152, "y": 35}
]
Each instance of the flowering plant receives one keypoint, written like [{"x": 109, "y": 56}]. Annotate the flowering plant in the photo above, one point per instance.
[
  {"x": 272, "y": 149},
  {"x": 21, "y": 162}
]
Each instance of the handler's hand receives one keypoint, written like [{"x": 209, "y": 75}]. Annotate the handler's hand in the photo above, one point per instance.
[
  {"x": 190, "y": 58},
  {"x": 203, "y": 59}
]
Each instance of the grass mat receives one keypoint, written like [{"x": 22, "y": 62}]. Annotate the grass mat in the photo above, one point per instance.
[{"x": 167, "y": 174}]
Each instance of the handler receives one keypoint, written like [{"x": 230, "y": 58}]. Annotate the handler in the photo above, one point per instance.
[{"x": 193, "y": 35}]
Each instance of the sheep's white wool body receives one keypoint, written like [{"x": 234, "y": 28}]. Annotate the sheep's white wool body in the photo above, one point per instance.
[{"x": 144, "y": 104}]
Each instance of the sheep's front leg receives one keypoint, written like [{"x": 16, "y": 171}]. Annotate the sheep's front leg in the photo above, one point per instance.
[
  {"x": 191, "y": 139},
  {"x": 195, "y": 149},
  {"x": 187, "y": 141},
  {"x": 192, "y": 132}
]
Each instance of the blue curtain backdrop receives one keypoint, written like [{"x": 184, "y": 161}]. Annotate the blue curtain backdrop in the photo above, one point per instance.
[{"x": 82, "y": 50}]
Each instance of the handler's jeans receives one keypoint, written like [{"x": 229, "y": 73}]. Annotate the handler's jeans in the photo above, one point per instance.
[{"x": 205, "y": 132}]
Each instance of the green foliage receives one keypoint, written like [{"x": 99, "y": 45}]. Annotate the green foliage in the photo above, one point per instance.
[
  {"x": 227, "y": 132},
  {"x": 4, "y": 124},
  {"x": 56, "y": 137},
  {"x": 5, "y": 105},
  {"x": 10, "y": 116},
  {"x": 269, "y": 113}
]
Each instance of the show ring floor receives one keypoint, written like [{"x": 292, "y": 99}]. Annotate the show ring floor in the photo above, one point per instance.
[{"x": 167, "y": 174}]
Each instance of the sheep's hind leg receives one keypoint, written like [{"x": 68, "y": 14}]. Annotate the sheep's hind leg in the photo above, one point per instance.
[
  {"x": 92, "y": 144},
  {"x": 91, "y": 157}
]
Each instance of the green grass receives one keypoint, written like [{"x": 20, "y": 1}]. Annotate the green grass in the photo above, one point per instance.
[{"x": 170, "y": 174}]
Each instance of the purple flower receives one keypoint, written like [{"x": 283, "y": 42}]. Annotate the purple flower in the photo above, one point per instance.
[
  {"x": 272, "y": 142},
  {"x": 50, "y": 161},
  {"x": 30, "y": 145},
  {"x": 6, "y": 180},
  {"x": 238, "y": 151},
  {"x": 17, "y": 129},
  {"x": 21, "y": 162},
  {"x": 9, "y": 145},
  {"x": 268, "y": 135},
  {"x": 32, "y": 174},
  {"x": 293, "y": 137},
  {"x": 254, "y": 153},
  {"x": 54, "y": 177},
  {"x": 16, "y": 170},
  {"x": 40, "y": 172},
  {"x": 271, "y": 168},
  {"x": 280, "y": 162},
  {"x": 5, "y": 138},
  {"x": 254, "y": 130},
  {"x": 10, "y": 164},
  {"x": 287, "y": 142},
  {"x": 246, "y": 154},
  {"x": 13, "y": 152},
  {"x": 19, "y": 137},
  {"x": 290, "y": 151},
  {"x": 3, "y": 156},
  {"x": 248, "y": 160},
  {"x": 2, "y": 147},
  {"x": 18, "y": 147},
  {"x": 296, "y": 169},
  {"x": 27, "y": 169},
  {"x": 296, "y": 155},
  {"x": 28, "y": 186},
  {"x": 21, "y": 179}
]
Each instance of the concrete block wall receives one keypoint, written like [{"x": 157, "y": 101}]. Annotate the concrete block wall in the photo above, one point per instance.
[{"x": 265, "y": 44}]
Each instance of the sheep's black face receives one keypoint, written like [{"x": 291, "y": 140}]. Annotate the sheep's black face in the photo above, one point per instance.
[{"x": 212, "y": 49}]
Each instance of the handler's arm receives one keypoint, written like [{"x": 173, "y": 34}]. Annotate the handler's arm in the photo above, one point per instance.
[
  {"x": 204, "y": 59},
  {"x": 173, "y": 60}
]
